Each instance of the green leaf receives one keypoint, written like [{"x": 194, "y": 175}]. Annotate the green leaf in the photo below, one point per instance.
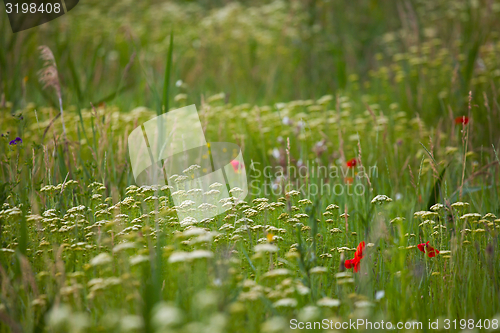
[
  {"x": 436, "y": 189},
  {"x": 168, "y": 72},
  {"x": 4, "y": 192}
]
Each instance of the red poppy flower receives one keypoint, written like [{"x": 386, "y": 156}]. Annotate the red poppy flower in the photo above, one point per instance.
[
  {"x": 462, "y": 120},
  {"x": 236, "y": 166},
  {"x": 358, "y": 255},
  {"x": 425, "y": 247},
  {"x": 352, "y": 163}
]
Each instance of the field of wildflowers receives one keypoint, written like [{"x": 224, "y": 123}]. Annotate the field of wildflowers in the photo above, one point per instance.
[{"x": 370, "y": 138}]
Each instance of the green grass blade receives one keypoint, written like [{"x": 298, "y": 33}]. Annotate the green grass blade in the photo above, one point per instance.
[
  {"x": 168, "y": 73},
  {"x": 436, "y": 189}
]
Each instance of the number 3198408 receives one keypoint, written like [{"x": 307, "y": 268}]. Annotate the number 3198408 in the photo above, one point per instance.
[
  {"x": 471, "y": 324},
  {"x": 32, "y": 8}
]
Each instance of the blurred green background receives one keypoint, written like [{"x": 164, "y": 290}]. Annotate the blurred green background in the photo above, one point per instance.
[
  {"x": 293, "y": 83},
  {"x": 424, "y": 55}
]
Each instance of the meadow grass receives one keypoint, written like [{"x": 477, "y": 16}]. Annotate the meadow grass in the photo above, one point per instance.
[{"x": 377, "y": 151}]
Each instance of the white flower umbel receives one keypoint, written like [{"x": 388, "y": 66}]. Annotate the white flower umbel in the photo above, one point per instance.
[
  {"x": 380, "y": 199},
  {"x": 266, "y": 248},
  {"x": 328, "y": 302},
  {"x": 286, "y": 303}
]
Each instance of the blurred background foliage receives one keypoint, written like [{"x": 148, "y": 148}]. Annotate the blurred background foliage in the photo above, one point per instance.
[
  {"x": 423, "y": 55},
  {"x": 294, "y": 83}
]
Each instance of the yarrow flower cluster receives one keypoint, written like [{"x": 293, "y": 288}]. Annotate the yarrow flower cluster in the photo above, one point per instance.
[{"x": 380, "y": 199}]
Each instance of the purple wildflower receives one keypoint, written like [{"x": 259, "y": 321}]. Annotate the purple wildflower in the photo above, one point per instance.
[{"x": 15, "y": 141}]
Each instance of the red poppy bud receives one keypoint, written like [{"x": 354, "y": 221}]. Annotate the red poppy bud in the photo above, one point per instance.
[
  {"x": 462, "y": 120},
  {"x": 352, "y": 163}
]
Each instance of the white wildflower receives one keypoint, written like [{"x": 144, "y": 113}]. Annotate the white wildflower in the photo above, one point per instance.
[
  {"x": 266, "y": 248},
  {"x": 381, "y": 198},
  {"x": 138, "y": 259},
  {"x": 277, "y": 273},
  {"x": 179, "y": 256},
  {"x": 101, "y": 259},
  {"x": 318, "y": 270},
  {"x": 165, "y": 315},
  {"x": 437, "y": 207},
  {"x": 201, "y": 254},
  {"x": 328, "y": 302},
  {"x": 286, "y": 303}
]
